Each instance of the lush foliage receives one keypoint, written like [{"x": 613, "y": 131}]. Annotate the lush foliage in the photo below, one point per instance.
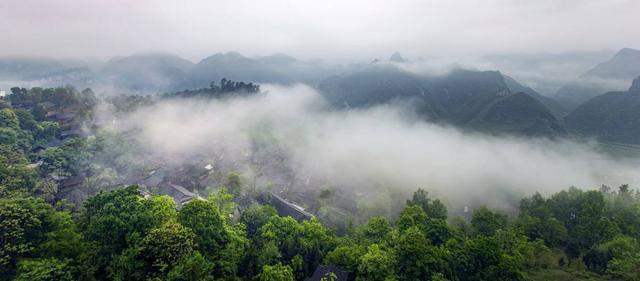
[{"x": 124, "y": 235}]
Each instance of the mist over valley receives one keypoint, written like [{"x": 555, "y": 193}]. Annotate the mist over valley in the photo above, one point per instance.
[{"x": 328, "y": 141}]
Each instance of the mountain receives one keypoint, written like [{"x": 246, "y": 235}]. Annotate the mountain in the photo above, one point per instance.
[
  {"x": 279, "y": 68},
  {"x": 43, "y": 72},
  {"x": 544, "y": 72},
  {"x": 373, "y": 85},
  {"x": 479, "y": 100},
  {"x": 612, "y": 117},
  {"x": 518, "y": 114},
  {"x": 158, "y": 73},
  {"x": 144, "y": 73},
  {"x": 558, "y": 109},
  {"x": 79, "y": 77},
  {"x": 141, "y": 73},
  {"x": 27, "y": 68},
  {"x": 614, "y": 74},
  {"x": 624, "y": 65},
  {"x": 396, "y": 57}
]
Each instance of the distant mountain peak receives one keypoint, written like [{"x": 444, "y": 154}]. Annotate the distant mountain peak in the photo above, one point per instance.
[
  {"x": 396, "y": 57},
  {"x": 625, "y": 64},
  {"x": 635, "y": 86},
  {"x": 224, "y": 57},
  {"x": 234, "y": 54},
  {"x": 627, "y": 52},
  {"x": 279, "y": 58}
]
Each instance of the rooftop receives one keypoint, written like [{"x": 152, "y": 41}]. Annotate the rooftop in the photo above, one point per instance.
[
  {"x": 179, "y": 194},
  {"x": 286, "y": 208}
]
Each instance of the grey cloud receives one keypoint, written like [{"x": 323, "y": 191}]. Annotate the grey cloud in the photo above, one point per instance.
[{"x": 359, "y": 29}]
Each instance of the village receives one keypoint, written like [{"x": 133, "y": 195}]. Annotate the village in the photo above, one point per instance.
[{"x": 183, "y": 183}]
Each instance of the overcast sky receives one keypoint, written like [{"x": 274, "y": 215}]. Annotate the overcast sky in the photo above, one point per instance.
[{"x": 359, "y": 29}]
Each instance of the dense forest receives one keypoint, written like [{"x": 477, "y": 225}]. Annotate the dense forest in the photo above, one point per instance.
[{"x": 131, "y": 232}]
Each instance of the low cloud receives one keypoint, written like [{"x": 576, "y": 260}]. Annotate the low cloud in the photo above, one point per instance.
[{"x": 369, "y": 151}]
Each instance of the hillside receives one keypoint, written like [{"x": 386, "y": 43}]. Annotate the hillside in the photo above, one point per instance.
[
  {"x": 27, "y": 68},
  {"x": 517, "y": 114},
  {"x": 558, "y": 109},
  {"x": 473, "y": 99},
  {"x": 144, "y": 72},
  {"x": 613, "y": 74},
  {"x": 279, "y": 68},
  {"x": 374, "y": 85},
  {"x": 612, "y": 117},
  {"x": 140, "y": 73}
]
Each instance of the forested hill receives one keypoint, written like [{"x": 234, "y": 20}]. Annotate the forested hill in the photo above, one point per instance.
[
  {"x": 611, "y": 117},
  {"x": 478, "y": 100}
]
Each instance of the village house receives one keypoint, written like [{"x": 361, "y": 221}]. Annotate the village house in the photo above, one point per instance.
[
  {"x": 286, "y": 208},
  {"x": 179, "y": 194}
]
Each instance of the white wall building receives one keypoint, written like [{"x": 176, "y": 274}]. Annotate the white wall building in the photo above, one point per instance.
[{"x": 3, "y": 94}]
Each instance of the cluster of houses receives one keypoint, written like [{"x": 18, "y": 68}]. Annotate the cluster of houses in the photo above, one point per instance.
[
  {"x": 177, "y": 182},
  {"x": 70, "y": 125}
]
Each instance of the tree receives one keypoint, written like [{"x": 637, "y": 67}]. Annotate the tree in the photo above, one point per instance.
[
  {"x": 436, "y": 230},
  {"x": 416, "y": 257},
  {"x": 346, "y": 256},
  {"x": 14, "y": 173},
  {"x": 375, "y": 230},
  {"x": 376, "y": 265},
  {"x": 193, "y": 267},
  {"x": 535, "y": 206},
  {"x": 486, "y": 258},
  {"x": 24, "y": 223},
  {"x": 255, "y": 217},
  {"x": 9, "y": 119},
  {"x": 8, "y": 136},
  {"x": 204, "y": 219},
  {"x": 486, "y": 222},
  {"x": 165, "y": 246},
  {"x": 117, "y": 219},
  {"x": 48, "y": 130},
  {"x": 434, "y": 210},
  {"x": 70, "y": 159},
  {"x": 26, "y": 120},
  {"x": 592, "y": 225},
  {"x": 309, "y": 239},
  {"x": 623, "y": 257},
  {"x": 43, "y": 270},
  {"x": 62, "y": 241},
  {"x": 224, "y": 202},
  {"x": 412, "y": 216},
  {"x": 223, "y": 243},
  {"x": 278, "y": 272},
  {"x": 551, "y": 231}
]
